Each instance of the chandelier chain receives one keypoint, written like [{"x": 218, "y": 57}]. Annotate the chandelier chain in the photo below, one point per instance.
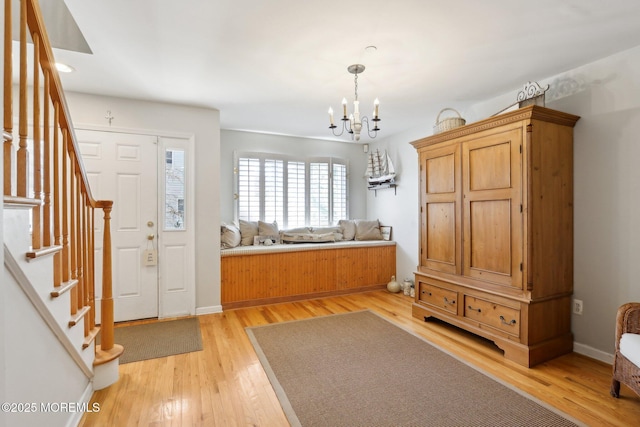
[{"x": 356, "y": 85}]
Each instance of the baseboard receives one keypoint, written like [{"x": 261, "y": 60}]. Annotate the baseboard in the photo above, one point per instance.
[
  {"x": 208, "y": 310},
  {"x": 83, "y": 402},
  {"x": 593, "y": 353}
]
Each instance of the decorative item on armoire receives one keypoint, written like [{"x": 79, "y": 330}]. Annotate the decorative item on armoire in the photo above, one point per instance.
[
  {"x": 449, "y": 122},
  {"x": 530, "y": 94}
]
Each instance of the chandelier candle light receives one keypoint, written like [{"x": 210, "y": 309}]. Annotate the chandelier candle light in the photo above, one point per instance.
[{"x": 354, "y": 121}]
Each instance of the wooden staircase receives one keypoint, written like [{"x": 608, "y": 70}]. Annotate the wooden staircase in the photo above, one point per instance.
[{"x": 48, "y": 199}]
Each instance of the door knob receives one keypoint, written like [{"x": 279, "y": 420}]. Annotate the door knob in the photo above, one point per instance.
[
  {"x": 150, "y": 224},
  {"x": 151, "y": 236}
]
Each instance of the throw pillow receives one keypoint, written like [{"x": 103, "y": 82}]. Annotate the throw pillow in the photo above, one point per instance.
[
  {"x": 348, "y": 227},
  {"x": 230, "y": 236},
  {"x": 368, "y": 230},
  {"x": 266, "y": 229},
  {"x": 248, "y": 230}
]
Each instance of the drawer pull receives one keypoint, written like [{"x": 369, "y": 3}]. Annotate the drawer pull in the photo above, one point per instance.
[
  {"x": 503, "y": 320},
  {"x": 425, "y": 292},
  {"x": 479, "y": 310},
  {"x": 446, "y": 301}
]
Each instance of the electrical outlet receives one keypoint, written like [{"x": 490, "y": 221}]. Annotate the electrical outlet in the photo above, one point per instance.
[{"x": 577, "y": 306}]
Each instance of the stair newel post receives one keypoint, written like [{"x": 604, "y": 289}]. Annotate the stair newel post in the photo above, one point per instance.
[
  {"x": 108, "y": 352},
  {"x": 36, "y": 215},
  {"x": 106, "y": 327},
  {"x": 23, "y": 154},
  {"x": 8, "y": 97}
]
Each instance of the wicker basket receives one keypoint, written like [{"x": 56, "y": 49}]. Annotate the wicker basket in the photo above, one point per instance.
[{"x": 448, "y": 123}]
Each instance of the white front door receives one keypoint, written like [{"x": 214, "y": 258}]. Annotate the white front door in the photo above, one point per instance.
[{"x": 124, "y": 168}]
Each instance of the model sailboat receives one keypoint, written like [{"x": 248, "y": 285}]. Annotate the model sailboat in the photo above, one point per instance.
[{"x": 380, "y": 171}]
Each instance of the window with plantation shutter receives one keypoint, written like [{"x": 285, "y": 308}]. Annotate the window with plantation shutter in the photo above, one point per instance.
[
  {"x": 296, "y": 194},
  {"x": 319, "y": 193},
  {"x": 339, "y": 180},
  {"x": 292, "y": 192},
  {"x": 274, "y": 191},
  {"x": 248, "y": 193}
]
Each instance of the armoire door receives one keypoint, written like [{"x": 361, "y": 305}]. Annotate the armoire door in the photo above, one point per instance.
[
  {"x": 492, "y": 207},
  {"x": 440, "y": 190}
]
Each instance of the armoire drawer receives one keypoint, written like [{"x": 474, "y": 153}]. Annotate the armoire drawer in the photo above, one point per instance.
[
  {"x": 490, "y": 313},
  {"x": 438, "y": 297}
]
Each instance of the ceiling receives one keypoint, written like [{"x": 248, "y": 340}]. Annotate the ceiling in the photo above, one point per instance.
[{"x": 276, "y": 66}]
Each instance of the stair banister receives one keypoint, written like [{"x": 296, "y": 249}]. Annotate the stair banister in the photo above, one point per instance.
[{"x": 63, "y": 206}]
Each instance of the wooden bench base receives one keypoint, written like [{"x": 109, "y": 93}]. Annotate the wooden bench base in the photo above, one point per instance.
[{"x": 250, "y": 279}]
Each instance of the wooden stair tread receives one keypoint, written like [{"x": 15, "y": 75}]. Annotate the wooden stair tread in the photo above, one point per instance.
[
  {"x": 64, "y": 287},
  {"x": 39, "y": 253},
  {"x": 105, "y": 356},
  {"x": 21, "y": 202},
  {"x": 75, "y": 318},
  {"x": 91, "y": 337}
]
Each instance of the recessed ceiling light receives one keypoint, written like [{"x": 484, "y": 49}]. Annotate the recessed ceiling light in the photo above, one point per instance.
[
  {"x": 64, "y": 68},
  {"x": 370, "y": 49}
]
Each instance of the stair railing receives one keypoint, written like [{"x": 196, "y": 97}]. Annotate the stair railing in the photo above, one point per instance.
[{"x": 63, "y": 209}]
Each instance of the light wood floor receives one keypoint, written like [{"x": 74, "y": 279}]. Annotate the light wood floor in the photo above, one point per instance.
[{"x": 224, "y": 385}]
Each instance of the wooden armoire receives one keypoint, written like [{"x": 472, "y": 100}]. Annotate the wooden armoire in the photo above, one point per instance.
[{"x": 496, "y": 231}]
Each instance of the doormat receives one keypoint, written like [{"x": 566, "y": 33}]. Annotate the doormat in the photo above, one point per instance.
[{"x": 158, "y": 339}]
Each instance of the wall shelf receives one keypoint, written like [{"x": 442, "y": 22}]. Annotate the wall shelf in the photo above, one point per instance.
[{"x": 375, "y": 188}]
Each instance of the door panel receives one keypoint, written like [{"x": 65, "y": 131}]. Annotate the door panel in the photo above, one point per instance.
[
  {"x": 440, "y": 208},
  {"x": 441, "y": 225},
  {"x": 492, "y": 208},
  {"x": 177, "y": 269},
  {"x": 490, "y": 167},
  {"x": 123, "y": 168},
  {"x": 490, "y": 227}
]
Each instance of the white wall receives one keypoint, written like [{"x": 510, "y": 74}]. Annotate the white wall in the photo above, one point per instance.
[
  {"x": 287, "y": 145},
  {"x": 41, "y": 370},
  {"x": 174, "y": 120},
  {"x": 400, "y": 209},
  {"x": 606, "y": 94}
]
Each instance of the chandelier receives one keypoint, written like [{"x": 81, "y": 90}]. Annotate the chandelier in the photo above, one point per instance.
[{"x": 353, "y": 123}]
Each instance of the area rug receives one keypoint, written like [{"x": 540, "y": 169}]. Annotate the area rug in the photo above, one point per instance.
[
  {"x": 158, "y": 339},
  {"x": 358, "y": 369}
]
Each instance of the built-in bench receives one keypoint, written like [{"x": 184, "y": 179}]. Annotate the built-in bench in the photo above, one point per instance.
[{"x": 256, "y": 275}]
